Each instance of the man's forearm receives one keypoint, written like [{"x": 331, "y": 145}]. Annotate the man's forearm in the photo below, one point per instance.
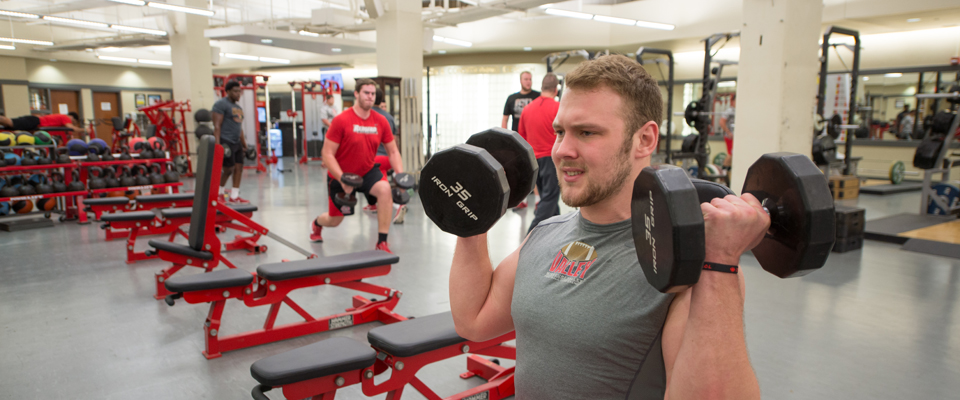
[
  {"x": 470, "y": 280},
  {"x": 503, "y": 124},
  {"x": 396, "y": 162},
  {"x": 712, "y": 361}
]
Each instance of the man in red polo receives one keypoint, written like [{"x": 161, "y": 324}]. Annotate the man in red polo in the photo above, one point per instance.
[
  {"x": 536, "y": 126},
  {"x": 34, "y": 122}
]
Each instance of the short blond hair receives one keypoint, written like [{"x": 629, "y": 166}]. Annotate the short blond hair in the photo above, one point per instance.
[{"x": 642, "y": 101}]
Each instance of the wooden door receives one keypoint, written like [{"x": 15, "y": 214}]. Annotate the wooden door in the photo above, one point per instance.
[
  {"x": 106, "y": 105},
  {"x": 64, "y": 101}
]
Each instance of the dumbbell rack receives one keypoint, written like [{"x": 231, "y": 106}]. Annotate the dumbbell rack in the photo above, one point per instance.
[
  {"x": 66, "y": 169},
  {"x": 84, "y": 177}
]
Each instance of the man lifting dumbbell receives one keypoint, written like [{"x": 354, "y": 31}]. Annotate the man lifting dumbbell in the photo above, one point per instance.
[
  {"x": 348, "y": 152},
  {"x": 587, "y": 326}
]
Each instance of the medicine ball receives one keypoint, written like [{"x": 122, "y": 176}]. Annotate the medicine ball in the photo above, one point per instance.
[
  {"x": 7, "y": 139},
  {"x": 134, "y": 144},
  {"x": 24, "y": 138},
  {"x": 43, "y": 138},
  {"x": 77, "y": 147}
]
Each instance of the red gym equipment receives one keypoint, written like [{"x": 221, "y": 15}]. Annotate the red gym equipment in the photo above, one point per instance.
[
  {"x": 173, "y": 131},
  {"x": 311, "y": 98},
  {"x": 318, "y": 370},
  {"x": 123, "y": 130}
]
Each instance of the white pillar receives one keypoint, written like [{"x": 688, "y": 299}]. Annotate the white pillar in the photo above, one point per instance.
[
  {"x": 192, "y": 69},
  {"x": 777, "y": 81},
  {"x": 400, "y": 54}
]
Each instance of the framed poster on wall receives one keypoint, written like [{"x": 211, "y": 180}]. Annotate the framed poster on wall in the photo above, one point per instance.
[
  {"x": 153, "y": 99},
  {"x": 140, "y": 99}
]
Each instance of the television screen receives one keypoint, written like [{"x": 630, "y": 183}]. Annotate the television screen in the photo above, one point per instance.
[
  {"x": 262, "y": 114},
  {"x": 332, "y": 76}
]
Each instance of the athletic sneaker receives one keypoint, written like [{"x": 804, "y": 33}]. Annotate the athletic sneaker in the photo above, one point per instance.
[
  {"x": 315, "y": 232},
  {"x": 239, "y": 200},
  {"x": 522, "y": 205},
  {"x": 399, "y": 215},
  {"x": 370, "y": 207},
  {"x": 383, "y": 246}
]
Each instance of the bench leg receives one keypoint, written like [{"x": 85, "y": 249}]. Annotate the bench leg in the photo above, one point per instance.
[
  {"x": 211, "y": 330},
  {"x": 162, "y": 277}
]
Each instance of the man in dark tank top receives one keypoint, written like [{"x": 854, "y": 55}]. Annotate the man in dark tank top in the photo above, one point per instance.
[{"x": 588, "y": 324}]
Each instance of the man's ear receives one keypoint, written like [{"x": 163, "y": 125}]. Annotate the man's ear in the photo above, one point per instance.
[{"x": 645, "y": 139}]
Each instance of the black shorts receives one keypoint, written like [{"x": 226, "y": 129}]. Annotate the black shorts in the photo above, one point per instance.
[
  {"x": 236, "y": 157},
  {"x": 25, "y": 123},
  {"x": 334, "y": 188}
]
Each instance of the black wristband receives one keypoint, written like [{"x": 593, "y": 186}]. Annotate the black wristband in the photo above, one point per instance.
[{"x": 730, "y": 269}]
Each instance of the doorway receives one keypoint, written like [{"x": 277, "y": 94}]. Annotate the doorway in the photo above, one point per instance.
[
  {"x": 65, "y": 101},
  {"x": 106, "y": 105}
]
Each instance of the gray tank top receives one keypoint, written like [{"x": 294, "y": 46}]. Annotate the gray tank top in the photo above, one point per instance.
[{"x": 588, "y": 324}]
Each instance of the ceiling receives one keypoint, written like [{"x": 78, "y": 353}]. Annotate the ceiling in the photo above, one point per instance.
[{"x": 494, "y": 26}]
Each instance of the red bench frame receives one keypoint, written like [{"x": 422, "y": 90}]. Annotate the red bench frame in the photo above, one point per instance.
[{"x": 263, "y": 291}]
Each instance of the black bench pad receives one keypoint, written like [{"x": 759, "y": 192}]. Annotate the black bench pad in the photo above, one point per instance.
[
  {"x": 185, "y": 212},
  {"x": 107, "y": 201},
  {"x": 155, "y": 198},
  {"x": 180, "y": 249},
  {"x": 211, "y": 280},
  {"x": 328, "y": 357},
  {"x": 415, "y": 336},
  {"x": 129, "y": 216},
  {"x": 326, "y": 265}
]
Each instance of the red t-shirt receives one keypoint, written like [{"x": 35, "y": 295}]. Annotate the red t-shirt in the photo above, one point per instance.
[
  {"x": 358, "y": 139},
  {"x": 54, "y": 120},
  {"x": 536, "y": 125}
]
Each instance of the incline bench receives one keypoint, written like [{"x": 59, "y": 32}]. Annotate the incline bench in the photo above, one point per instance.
[
  {"x": 271, "y": 285},
  {"x": 169, "y": 221},
  {"x": 318, "y": 370},
  {"x": 142, "y": 203}
]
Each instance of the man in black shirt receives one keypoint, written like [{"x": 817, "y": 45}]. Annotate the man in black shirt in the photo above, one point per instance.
[{"x": 517, "y": 101}]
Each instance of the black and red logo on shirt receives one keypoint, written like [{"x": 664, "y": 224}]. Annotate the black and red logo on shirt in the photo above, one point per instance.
[{"x": 572, "y": 263}]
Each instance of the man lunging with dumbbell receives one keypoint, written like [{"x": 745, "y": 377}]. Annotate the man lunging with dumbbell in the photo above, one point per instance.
[
  {"x": 588, "y": 324},
  {"x": 348, "y": 151}
]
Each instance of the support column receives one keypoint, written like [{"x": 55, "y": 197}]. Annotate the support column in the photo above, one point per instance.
[
  {"x": 400, "y": 54},
  {"x": 16, "y": 93},
  {"x": 777, "y": 81},
  {"x": 192, "y": 70}
]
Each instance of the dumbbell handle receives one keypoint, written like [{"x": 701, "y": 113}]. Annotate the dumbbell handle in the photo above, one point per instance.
[{"x": 681, "y": 114}]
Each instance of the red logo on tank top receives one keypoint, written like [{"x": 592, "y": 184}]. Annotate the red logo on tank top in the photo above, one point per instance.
[{"x": 572, "y": 263}]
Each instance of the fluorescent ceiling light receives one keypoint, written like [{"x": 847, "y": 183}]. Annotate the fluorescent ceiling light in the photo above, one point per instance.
[
  {"x": 184, "y": 9},
  {"x": 5, "y": 47},
  {"x": 455, "y": 42},
  {"x": 140, "y": 30},
  {"x": 336, "y": 49},
  {"x": 266, "y": 41},
  {"x": 527, "y": 48},
  {"x": 18, "y": 14},
  {"x": 727, "y": 84},
  {"x": 154, "y": 62},
  {"x": 866, "y": 78},
  {"x": 307, "y": 33},
  {"x": 110, "y": 49},
  {"x": 569, "y": 14},
  {"x": 442, "y": 52},
  {"x": 615, "y": 20},
  {"x": 913, "y": 20},
  {"x": 548, "y": 5},
  {"x": 472, "y": 3},
  {"x": 26, "y": 41},
  {"x": 655, "y": 25},
  {"x": 130, "y": 2},
  {"x": 75, "y": 21},
  {"x": 274, "y": 60},
  {"x": 241, "y": 57},
  {"x": 893, "y": 75},
  {"x": 121, "y": 59}
]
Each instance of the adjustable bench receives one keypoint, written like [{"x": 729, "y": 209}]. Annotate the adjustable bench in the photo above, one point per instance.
[
  {"x": 169, "y": 221},
  {"x": 203, "y": 248},
  {"x": 142, "y": 203},
  {"x": 318, "y": 370},
  {"x": 271, "y": 285}
]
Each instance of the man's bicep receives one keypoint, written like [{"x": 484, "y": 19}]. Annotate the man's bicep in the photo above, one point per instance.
[
  {"x": 496, "y": 314},
  {"x": 217, "y": 119},
  {"x": 673, "y": 328}
]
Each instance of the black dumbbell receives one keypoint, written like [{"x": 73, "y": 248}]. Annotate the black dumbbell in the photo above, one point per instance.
[
  {"x": 342, "y": 199},
  {"x": 404, "y": 180},
  {"x": 668, "y": 228},
  {"x": 465, "y": 189},
  {"x": 400, "y": 196}
]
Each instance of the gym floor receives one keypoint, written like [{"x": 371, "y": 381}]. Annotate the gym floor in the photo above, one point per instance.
[{"x": 78, "y": 322}]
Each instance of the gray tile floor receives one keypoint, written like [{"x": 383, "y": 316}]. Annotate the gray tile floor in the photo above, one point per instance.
[{"x": 77, "y": 322}]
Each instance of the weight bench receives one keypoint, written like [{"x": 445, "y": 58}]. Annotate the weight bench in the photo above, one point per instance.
[
  {"x": 142, "y": 203},
  {"x": 271, "y": 287},
  {"x": 168, "y": 221},
  {"x": 203, "y": 248},
  {"x": 318, "y": 370}
]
